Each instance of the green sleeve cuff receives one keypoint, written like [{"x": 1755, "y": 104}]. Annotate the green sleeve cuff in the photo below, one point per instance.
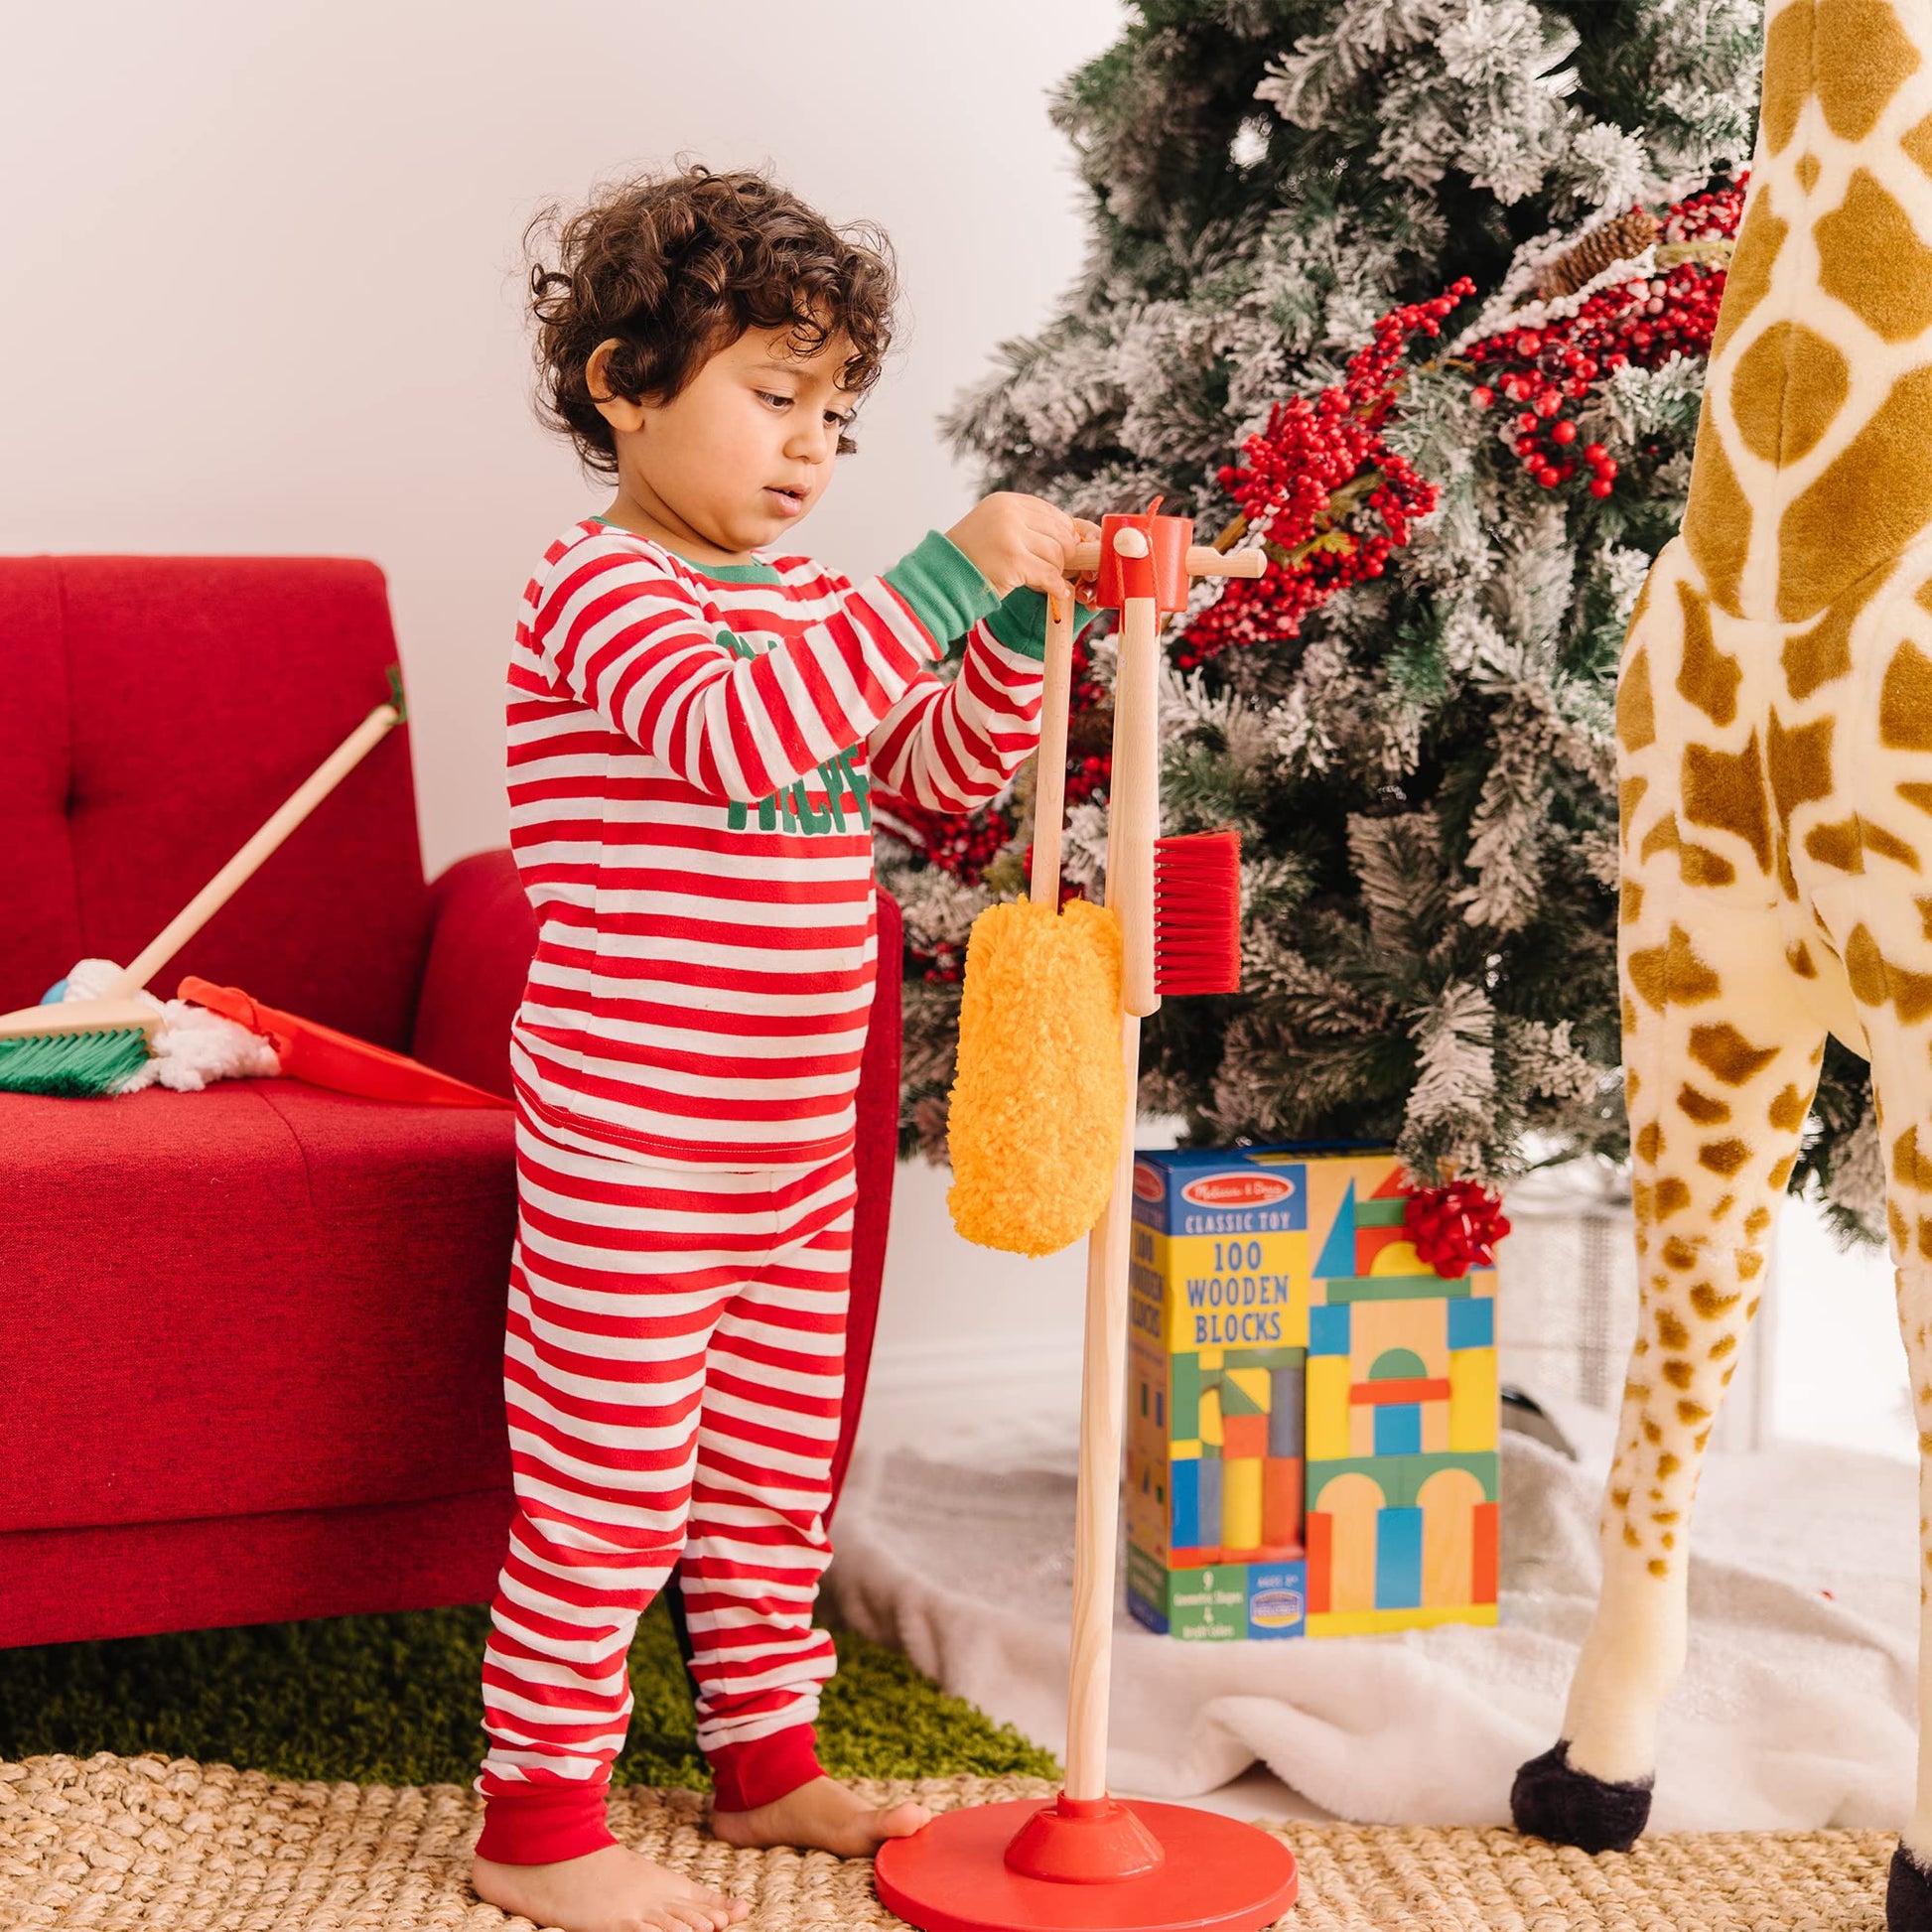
[
  {"x": 1020, "y": 623},
  {"x": 943, "y": 585}
]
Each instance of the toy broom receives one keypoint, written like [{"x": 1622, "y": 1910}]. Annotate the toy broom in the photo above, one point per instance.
[
  {"x": 1084, "y": 1860},
  {"x": 86, "y": 1047}
]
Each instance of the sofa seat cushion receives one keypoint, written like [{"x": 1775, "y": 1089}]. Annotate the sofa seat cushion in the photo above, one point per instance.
[{"x": 263, "y": 1297}]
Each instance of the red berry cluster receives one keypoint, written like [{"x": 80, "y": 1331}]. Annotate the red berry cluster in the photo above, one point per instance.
[
  {"x": 1454, "y": 1227},
  {"x": 1323, "y": 493},
  {"x": 961, "y": 845},
  {"x": 1546, "y": 372}
]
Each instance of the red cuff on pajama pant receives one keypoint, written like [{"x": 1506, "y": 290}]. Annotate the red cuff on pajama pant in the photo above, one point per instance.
[
  {"x": 544, "y": 1823},
  {"x": 763, "y": 1769}
]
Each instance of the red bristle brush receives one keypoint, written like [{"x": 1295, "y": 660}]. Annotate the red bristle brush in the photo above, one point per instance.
[{"x": 1197, "y": 913}]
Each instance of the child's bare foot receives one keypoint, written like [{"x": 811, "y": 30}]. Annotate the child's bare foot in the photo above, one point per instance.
[
  {"x": 822, "y": 1815},
  {"x": 611, "y": 1890}
]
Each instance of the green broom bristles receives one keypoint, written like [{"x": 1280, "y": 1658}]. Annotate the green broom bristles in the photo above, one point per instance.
[{"x": 78, "y": 1066}]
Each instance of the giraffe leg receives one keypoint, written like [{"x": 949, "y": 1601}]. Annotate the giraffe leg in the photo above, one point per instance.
[
  {"x": 1721, "y": 1059},
  {"x": 1901, "y": 1070}
]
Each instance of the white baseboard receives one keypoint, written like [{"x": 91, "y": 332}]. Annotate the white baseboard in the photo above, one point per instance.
[{"x": 909, "y": 1371}]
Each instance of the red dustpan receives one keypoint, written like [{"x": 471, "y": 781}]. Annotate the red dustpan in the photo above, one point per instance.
[{"x": 326, "y": 1058}]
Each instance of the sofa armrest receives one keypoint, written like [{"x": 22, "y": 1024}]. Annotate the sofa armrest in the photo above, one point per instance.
[{"x": 482, "y": 934}]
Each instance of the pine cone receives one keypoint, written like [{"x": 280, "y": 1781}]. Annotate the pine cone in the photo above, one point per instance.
[{"x": 1615, "y": 241}]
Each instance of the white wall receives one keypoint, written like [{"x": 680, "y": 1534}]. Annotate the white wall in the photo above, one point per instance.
[{"x": 261, "y": 289}]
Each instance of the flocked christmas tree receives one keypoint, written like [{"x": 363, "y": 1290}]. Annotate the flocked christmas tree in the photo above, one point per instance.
[{"x": 1419, "y": 293}]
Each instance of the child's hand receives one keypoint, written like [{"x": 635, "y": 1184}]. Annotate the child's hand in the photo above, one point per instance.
[{"x": 1013, "y": 540}]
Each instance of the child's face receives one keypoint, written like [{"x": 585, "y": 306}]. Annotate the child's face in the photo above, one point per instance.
[{"x": 742, "y": 453}]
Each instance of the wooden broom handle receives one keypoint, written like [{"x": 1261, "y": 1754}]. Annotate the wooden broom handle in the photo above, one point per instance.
[
  {"x": 219, "y": 890},
  {"x": 1096, "y": 1508},
  {"x": 1133, "y": 823},
  {"x": 1050, "y": 772}
]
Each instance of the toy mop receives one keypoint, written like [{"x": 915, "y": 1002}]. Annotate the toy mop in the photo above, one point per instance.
[
  {"x": 90, "y": 1047},
  {"x": 1086, "y": 1859}
]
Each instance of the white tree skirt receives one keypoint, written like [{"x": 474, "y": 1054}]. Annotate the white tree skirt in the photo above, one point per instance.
[{"x": 1796, "y": 1709}]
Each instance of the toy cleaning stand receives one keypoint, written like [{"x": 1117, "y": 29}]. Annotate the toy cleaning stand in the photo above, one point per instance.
[{"x": 1084, "y": 1862}]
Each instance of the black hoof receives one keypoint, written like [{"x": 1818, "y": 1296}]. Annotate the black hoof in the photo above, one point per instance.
[
  {"x": 1553, "y": 1800},
  {"x": 1908, "y": 1894}
]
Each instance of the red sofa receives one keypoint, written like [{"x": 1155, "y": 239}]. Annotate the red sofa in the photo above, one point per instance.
[{"x": 250, "y": 1339}]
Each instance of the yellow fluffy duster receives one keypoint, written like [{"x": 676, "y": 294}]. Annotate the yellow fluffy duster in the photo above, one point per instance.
[{"x": 1038, "y": 1101}]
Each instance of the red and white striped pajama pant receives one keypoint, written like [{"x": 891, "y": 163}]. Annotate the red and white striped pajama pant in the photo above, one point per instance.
[{"x": 673, "y": 1364}]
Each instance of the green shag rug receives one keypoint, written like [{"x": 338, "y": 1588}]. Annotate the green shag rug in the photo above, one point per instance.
[{"x": 396, "y": 1699}]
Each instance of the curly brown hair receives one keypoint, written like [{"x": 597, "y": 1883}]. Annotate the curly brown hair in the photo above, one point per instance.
[{"x": 679, "y": 266}]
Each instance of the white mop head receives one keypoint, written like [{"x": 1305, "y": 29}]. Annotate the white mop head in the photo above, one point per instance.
[{"x": 191, "y": 1046}]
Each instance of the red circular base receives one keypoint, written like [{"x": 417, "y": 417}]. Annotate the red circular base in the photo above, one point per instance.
[{"x": 1218, "y": 1875}]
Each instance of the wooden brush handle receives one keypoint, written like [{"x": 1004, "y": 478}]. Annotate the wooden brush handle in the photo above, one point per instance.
[
  {"x": 1049, "y": 771},
  {"x": 1133, "y": 821},
  {"x": 1203, "y": 560},
  {"x": 219, "y": 890},
  {"x": 1096, "y": 1510}
]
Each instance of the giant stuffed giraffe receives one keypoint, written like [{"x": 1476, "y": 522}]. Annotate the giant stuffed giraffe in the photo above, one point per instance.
[{"x": 1774, "y": 734}]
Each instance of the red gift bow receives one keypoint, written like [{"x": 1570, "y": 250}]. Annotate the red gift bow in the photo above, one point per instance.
[{"x": 1456, "y": 1228}]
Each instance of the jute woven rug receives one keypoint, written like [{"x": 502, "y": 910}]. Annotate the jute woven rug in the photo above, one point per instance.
[{"x": 203, "y": 1848}]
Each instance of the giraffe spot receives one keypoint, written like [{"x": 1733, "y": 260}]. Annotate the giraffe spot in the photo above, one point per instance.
[
  {"x": 1865, "y": 506},
  {"x": 1728, "y": 1054},
  {"x": 1677, "y": 1374},
  {"x": 1843, "y": 845},
  {"x": 1917, "y": 143},
  {"x": 1807, "y": 172},
  {"x": 1630, "y": 1535},
  {"x": 1631, "y": 1082},
  {"x": 1905, "y": 701},
  {"x": 1799, "y": 765},
  {"x": 1659, "y": 1568},
  {"x": 1698, "y": 865},
  {"x": 1671, "y": 1332},
  {"x": 1701, "y": 1107},
  {"x": 1788, "y": 1110},
  {"x": 1620, "y": 1497},
  {"x": 1672, "y": 974},
  {"x": 1798, "y": 958},
  {"x": 1630, "y": 902},
  {"x": 1652, "y": 1434},
  {"x": 1689, "y": 1412},
  {"x": 1656, "y": 1495},
  {"x": 1722, "y": 1347},
  {"x": 1749, "y": 1264},
  {"x": 1862, "y": 58},
  {"x": 1823, "y": 654},
  {"x": 1709, "y": 1303},
  {"x": 1726, "y": 789},
  {"x": 1641, "y": 1346},
  {"x": 1718, "y": 515},
  {"x": 1707, "y": 676},
  {"x": 1665, "y": 1515},
  {"x": 1669, "y": 1539},
  {"x": 1641, "y": 1203},
  {"x": 1667, "y": 1466},
  {"x": 1700, "y": 1439},
  {"x": 1672, "y": 1195},
  {"x": 1723, "y": 1157},
  {"x": 1875, "y": 980},
  {"x": 1916, "y": 794},
  {"x": 1924, "y": 909},
  {"x": 1788, "y": 79},
  {"x": 1785, "y": 392},
  {"x": 1869, "y": 257},
  {"x": 1627, "y": 1015},
  {"x": 1908, "y": 1165},
  {"x": 1628, "y": 795},
  {"x": 1678, "y": 1253},
  {"x": 1637, "y": 708},
  {"x": 1724, "y": 1204},
  {"x": 1756, "y": 1222},
  {"x": 1925, "y": 1237},
  {"x": 1901, "y": 1230},
  {"x": 1650, "y": 1143},
  {"x": 1748, "y": 281}
]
